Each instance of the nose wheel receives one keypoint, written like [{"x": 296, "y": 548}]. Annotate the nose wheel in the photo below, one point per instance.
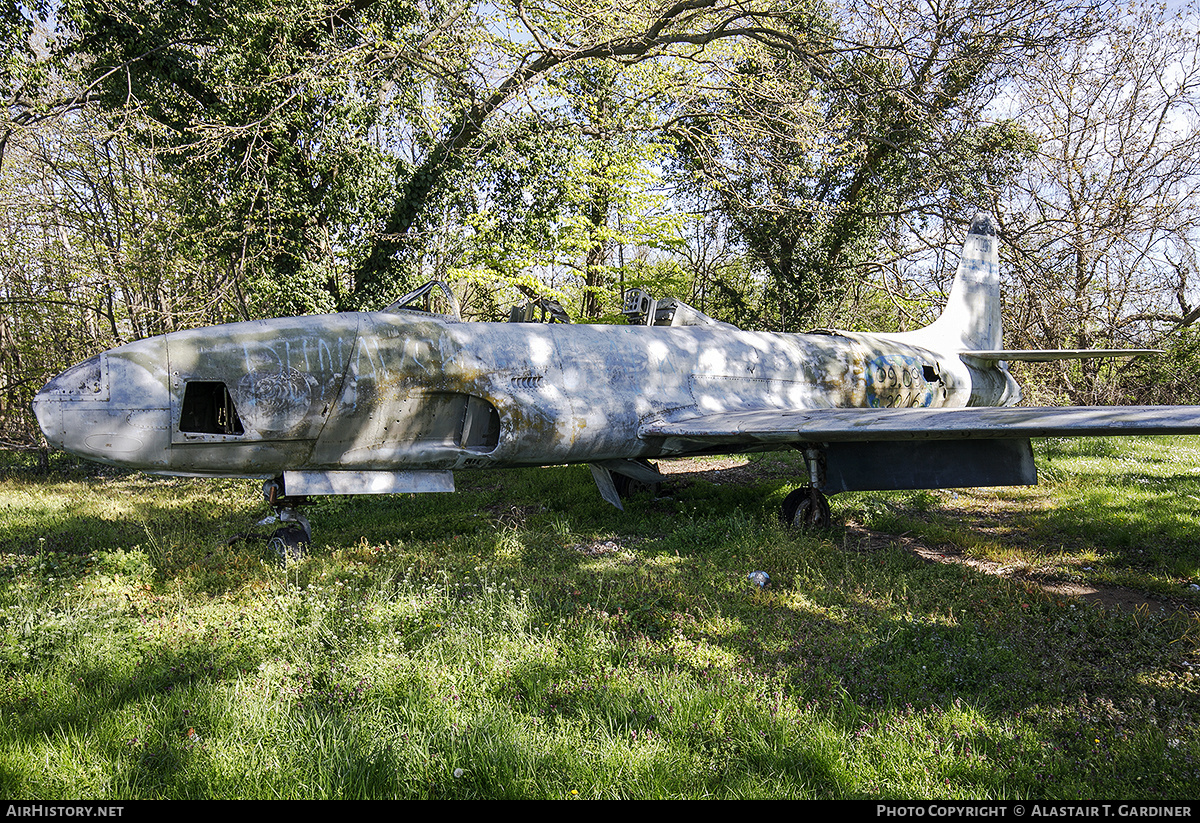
[{"x": 291, "y": 540}]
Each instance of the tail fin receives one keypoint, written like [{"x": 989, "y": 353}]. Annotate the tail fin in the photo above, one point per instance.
[{"x": 971, "y": 319}]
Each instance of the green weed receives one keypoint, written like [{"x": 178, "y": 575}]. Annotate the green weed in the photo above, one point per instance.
[{"x": 523, "y": 639}]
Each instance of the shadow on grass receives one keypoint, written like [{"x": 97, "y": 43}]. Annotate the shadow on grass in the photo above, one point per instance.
[{"x": 875, "y": 645}]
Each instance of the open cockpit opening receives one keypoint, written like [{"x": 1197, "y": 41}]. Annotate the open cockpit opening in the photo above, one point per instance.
[
  {"x": 540, "y": 310},
  {"x": 434, "y": 297}
]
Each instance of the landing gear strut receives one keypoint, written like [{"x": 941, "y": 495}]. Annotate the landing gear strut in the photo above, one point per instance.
[{"x": 807, "y": 509}]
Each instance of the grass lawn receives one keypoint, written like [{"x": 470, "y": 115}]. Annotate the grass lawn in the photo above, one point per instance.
[{"x": 521, "y": 638}]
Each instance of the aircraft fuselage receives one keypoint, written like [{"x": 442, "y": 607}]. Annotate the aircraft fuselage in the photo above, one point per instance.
[{"x": 397, "y": 391}]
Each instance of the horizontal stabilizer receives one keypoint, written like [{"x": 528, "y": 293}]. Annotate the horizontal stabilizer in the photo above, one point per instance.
[
  {"x": 1046, "y": 355},
  {"x": 843, "y": 425}
]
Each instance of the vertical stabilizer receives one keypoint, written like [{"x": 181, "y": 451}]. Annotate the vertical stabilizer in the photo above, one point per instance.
[{"x": 971, "y": 319}]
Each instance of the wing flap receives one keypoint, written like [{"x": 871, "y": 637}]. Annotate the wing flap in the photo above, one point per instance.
[{"x": 844, "y": 425}]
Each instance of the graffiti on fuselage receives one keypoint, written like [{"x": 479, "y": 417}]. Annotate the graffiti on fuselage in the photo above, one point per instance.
[{"x": 897, "y": 381}]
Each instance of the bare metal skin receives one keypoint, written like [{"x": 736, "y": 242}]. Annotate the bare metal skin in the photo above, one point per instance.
[{"x": 397, "y": 400}]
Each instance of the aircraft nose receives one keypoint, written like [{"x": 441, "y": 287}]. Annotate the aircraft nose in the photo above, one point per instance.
[
  {"x": 112, "y": 408},
  {"x": 82, "y": 383},
  {"x": 47, "y": 410}
]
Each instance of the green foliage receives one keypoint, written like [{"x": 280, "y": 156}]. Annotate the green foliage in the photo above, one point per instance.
[
  {"x": 263, "y": 111},
  {"x": 815, "y": 165},
  {"x": 1172, "y": 377},
  {"x": 20, "y": 70},
  {"x": 1099, "y": 232}
]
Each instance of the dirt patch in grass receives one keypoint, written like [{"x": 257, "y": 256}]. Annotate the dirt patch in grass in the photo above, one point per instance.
[
  {"x": 860, "y": 538},
  {"x": 736, "y": 469},
  {"x": 981, "y": 512}
]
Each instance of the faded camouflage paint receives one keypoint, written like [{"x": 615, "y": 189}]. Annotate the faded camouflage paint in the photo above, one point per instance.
[{"x": 361, "y": 391}]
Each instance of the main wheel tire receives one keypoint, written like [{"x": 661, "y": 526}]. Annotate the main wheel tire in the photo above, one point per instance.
[
  {"x": 806, "y": 510},
  {"x": 627, "y": 487}
]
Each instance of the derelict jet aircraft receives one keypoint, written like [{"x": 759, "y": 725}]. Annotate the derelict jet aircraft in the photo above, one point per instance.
[{"x": 397, "y": 400}]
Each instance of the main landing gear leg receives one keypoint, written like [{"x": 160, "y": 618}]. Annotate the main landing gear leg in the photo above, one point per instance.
[
  {"x": 293, "y": 538},
  {"x": 807, "y": 509}
]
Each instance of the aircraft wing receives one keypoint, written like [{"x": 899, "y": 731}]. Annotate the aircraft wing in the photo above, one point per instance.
[
  {"x": 1049, "y": 355},
  {"x": 860, "y": 425}
]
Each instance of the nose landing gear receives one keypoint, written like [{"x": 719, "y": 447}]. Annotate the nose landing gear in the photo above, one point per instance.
[{"x": 291, "y": 540}]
